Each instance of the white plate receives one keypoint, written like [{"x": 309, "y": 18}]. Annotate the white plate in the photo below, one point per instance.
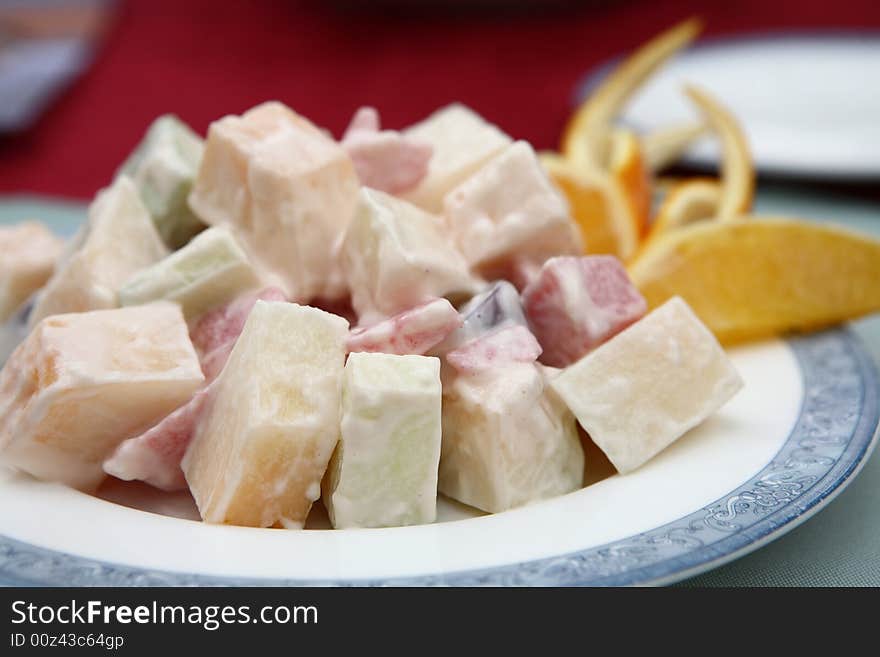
[
  {"x": 808, "y": 103},
  {"x": 792, "y": 438}
]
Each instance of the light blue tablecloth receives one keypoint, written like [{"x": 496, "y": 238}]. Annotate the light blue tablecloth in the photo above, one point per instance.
[{"x": 838, "y": 547}]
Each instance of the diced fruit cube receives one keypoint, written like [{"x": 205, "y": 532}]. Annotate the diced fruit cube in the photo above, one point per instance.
[
  {"x": 288, "y": 191},
  {"x": 644, "y": 388},
  {"x": 462, "y": 141},
  {"x": 507, "y": 440},
  {"x": 385, "y": 159},
  {"x": 384, "y": 470},
  {"x": 28, "y": 252},
  {"x": 154, "y": 456},
  {"x": 261, "y": 449},
  {"x": 83, "y": 382},
  {"x": 163, "y": 167},
  {"x": 118, "y": 239},
  {"x": 396, "y": 256},
  {"x": 414, "y": 331},
  {"x": 575, "y": 304},
  {"x": 507, "y": 212},
  {"x": 209, "y": 271},
  {"x": 513, "y": 344},
  {"x": 498, "y": 306}
]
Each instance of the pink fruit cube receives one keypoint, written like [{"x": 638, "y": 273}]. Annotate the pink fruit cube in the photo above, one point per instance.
[
  {"x": 154, "y": 456},
  {"x": 414, "y": 331},
  {"x": 514, "y": 344},
  {"x": 385, "y": 159},
  {"x": 577, "y": 303}
]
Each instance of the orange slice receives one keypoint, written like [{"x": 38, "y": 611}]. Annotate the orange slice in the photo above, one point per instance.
[
  {"x": 681, "y": 203},
  {"x": 764, "y": 276},
  {"x": 737, "y": 173},
  {"x": 598, "y": 206},
  {"x": 686, "y": 202},
  {"x": 629, "y": 171},
  {"x": 665, "y": 146},
  {"x": 585, "y": 140}
]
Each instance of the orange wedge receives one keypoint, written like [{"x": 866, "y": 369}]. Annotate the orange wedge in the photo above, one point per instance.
[
  {"x": 598, "y": 206},
  {"x": 665, "y": 146},
  {"x": 629, "y": 171},
  {"x": 681, "y": 203},
  {"x": 737, "y": 173},
  {"x": 686, "y": 202},
  {"x": 585, "y": 140},
  {"x": 764, "y": 276}
]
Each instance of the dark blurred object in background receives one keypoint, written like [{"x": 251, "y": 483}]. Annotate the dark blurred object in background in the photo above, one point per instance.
[{"x": 44, "y": 45}]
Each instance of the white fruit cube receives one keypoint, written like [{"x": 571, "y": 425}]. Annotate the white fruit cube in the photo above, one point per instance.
[
  {"x": 462, "y": 141},
  {"x": 507, "y": 440},
  {"x": 287, "y": 189},
  {"x": 644, "y": 388},
  {"x": 209, "y": 271},
  {"x": 395, "y": 256},
  {"x": 118, "y": 239},
  {"x": 82, "y": 383},
  {"x": 28, "y": 252},
  {"x": 163, "y": 167},
  {"x": 384, "y": 470},
  {"x": 263, "y": 444},
  {"x": 508, "y": 213}
]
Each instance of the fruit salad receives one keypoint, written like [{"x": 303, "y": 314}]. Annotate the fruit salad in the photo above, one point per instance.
[
  {"x": 199, "y": 343},
  {"x": 272, "y": 318}
]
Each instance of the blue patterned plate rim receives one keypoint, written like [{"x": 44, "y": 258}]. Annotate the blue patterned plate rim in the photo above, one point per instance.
[{"x": 833, "y": 436}]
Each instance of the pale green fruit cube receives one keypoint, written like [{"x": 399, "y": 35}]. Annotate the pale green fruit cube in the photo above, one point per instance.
[
  {"x": 384, "y": 469},
  {"x": 209, "y": 271},
  {"x": 163, "y": 167}
]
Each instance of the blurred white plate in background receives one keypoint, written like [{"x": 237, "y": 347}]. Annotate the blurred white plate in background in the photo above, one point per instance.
[{"x": 810, "y": 104}]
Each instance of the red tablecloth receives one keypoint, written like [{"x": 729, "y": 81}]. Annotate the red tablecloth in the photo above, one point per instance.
[{"x": 205, "y": 58}]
